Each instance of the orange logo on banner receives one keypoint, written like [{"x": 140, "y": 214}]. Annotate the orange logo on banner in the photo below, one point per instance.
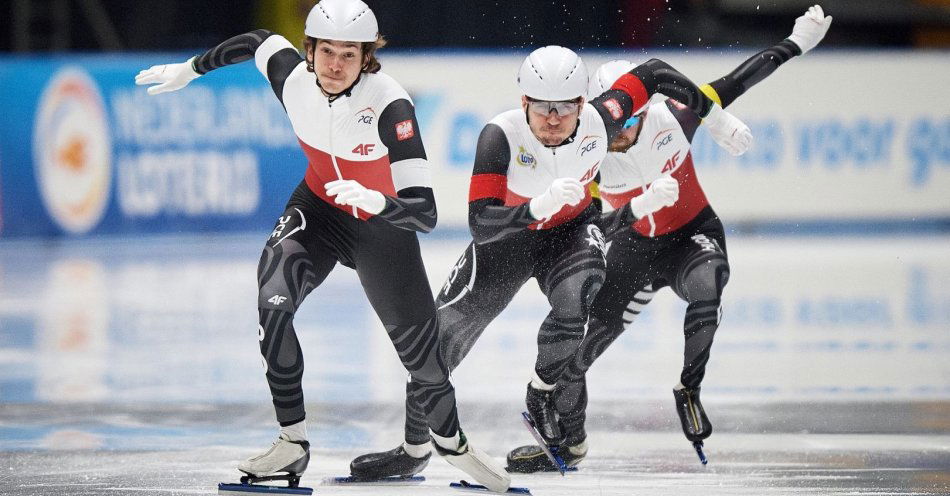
[{"x": 72, "y": 152}]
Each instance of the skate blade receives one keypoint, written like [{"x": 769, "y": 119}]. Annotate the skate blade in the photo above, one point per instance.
[
  {"x": 466, "y": 486},
  {"x": 385, "y": 481},
  {"x": 245, "y": 489},
  {"x": 556, "y": 460},
  {"x": 698, "y": 446}
]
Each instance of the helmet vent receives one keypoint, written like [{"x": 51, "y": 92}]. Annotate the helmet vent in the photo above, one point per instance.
[
  {"x": 569, "y": 74},
  {"x": 359, "y": 15},
  {"x": 537, "y": 72},
  {"x": 324, "y": 12}
]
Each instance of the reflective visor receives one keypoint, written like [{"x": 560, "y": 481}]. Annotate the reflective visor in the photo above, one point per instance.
[
  {"x": 544, "y": 107},
  {"x": 632, "y": 121}
]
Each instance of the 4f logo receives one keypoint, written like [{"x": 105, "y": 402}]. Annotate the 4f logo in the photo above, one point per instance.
[
  {"x": 277, "y": 299},
  {"x": 671, "y": 163},
  {"x": 590, "y": 173},
  {"x": 364, "y": 149}
]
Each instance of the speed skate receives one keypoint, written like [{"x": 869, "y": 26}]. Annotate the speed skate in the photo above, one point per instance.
[
  {"x": 248, "y": 487},
  {"x": 550, "y": 451},
  {"x": 396, "y": 480},
  {"x": 467, "y": 486}
]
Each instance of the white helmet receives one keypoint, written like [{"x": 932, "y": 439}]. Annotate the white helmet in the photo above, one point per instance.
[
  {"x": 341, "y": 20},
  {"x": 606, "y": 75},
  {"x": 553, "y": 73}
]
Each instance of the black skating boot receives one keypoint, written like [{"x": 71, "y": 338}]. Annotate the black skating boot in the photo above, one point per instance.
[
  {"x": 531, "y": 458},
  {"x": 393, "y": 463},
  {"x": 696, "y": 426},
  {"x": 541, "y": 409}
]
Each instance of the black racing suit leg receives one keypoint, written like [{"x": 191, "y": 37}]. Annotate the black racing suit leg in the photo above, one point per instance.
[
  {"x": 294, "y": 262},
  {"x": 398, "y": 290},
  {"x": 701, "y": 275},
  {"x": 480, "y": 285},
  {"x": 626, "y": 290}
]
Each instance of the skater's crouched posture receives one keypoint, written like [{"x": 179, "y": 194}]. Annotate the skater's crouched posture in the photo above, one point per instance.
[
  {"x": 662, "y": 232},
  {"x": 531, "y": 216},
  {"x": 365, "y": 194}
]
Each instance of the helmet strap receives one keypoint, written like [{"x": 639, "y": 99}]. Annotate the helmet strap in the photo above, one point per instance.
[{"x": 334, "y": 96}]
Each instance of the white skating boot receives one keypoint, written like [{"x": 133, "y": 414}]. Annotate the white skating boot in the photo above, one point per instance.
[
  {"x": 473, "y": 461},
  {"x": 289, "y": 458}
]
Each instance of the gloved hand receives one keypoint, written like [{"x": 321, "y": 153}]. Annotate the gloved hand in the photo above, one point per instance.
[
  {"x": 562, "y": 191},
  {"x": 810, "y": 28},
  {"x": 728, "y": 131},
  {"x": 662, "y": 193},
  {"x": 352, "y": 193},
  {"x": 170, "y": 76}
]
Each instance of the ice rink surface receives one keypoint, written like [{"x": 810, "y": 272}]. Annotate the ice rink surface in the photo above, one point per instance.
[{"x": 130, "y": 366}]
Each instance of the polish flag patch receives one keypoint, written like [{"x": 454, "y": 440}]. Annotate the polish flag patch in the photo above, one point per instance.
[
  {"x": 404, "y": 130},
  {"x": 616, "y": 111}
]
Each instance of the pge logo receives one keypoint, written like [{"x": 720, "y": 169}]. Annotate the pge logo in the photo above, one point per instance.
[
  {"x": 589, "y": 143},
  {"x": 366, "y": 116},
  {"x": 72, "y": 151},
  {"x": 662, "y": 138}
]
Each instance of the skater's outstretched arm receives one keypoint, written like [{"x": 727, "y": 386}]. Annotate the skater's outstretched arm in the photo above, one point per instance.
[
  {"x": 656, "y": 76},
  {"x": 172, "y": 77},
  {"x": 809, "y": 30}
]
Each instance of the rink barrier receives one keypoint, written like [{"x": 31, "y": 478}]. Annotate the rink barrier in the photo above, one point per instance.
[{"x": 85, "y": 152}]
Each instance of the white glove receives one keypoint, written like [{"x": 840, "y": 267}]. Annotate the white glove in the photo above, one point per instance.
[
  {"x": 170, "y": 76},
  {"x": 354, "y": 194},
  {"x": 727, "y": 130},
  {"x": 563, "y": 191},
  {"x": 810, "y": 28},
  {"x": 662, "y": 193}
]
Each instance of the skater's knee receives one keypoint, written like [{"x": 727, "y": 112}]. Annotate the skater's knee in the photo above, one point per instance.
[
  {"x": 284, "y": 276},
  {"x": 430, "y": 375},
  {"x": 704, "y": 281},
  {"x": 573, "y": 295}
]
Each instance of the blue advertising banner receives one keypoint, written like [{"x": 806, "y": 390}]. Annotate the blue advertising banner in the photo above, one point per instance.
[{"x": 85, "y": 151}]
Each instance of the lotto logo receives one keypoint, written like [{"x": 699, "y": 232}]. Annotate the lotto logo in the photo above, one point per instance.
[
  {"x": 404, "y": 130},
  {"x": 616, "y": 111}
]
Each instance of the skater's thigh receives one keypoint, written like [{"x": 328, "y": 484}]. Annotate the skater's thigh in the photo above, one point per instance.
[
  {"x": 572, "y": 269},
  {"x": 390, "y": 269},
  {"x": 293, "y": 261},
  {"x": 700, "y": 269},
  {"x": 480, "y": 285},
  {"x": 629, "y": 272}
]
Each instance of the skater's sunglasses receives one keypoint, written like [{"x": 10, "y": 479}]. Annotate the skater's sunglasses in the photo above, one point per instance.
[
  {"x": 544, "y": 107},
  {"x": 632, "y": 121}
]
